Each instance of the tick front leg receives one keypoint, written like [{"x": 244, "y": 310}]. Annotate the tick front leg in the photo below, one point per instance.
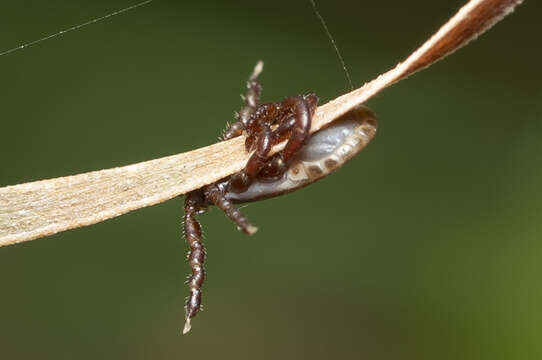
[
  {"x": 251, "y": 100},
  {"x": 193, "y": 204}
]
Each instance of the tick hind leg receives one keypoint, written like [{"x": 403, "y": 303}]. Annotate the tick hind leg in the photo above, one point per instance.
[
  {"x": 215, "y": 196},
  {"x": 251, "y": 100}
]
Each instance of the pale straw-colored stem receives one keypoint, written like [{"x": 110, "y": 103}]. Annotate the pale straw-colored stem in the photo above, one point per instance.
[{"x": 33, "y": 210}]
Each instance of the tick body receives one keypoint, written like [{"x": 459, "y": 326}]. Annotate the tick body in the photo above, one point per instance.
[
  {"x": 304, "y": 160},
  {"x": 325, "y": 152}
]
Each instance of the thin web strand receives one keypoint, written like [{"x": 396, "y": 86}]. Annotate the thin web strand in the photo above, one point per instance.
[
  {"x": 61, "y": 32},
  {"x": 328, "y": 33}
]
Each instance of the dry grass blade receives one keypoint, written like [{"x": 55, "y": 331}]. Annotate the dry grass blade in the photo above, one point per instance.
[{"x": 36, "y": 209}]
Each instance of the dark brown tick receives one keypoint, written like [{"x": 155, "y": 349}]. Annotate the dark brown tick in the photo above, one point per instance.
[{"x": 303, "y": 160}]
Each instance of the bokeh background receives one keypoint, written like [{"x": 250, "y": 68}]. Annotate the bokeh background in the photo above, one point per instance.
[{"x": 427, "y": 245}]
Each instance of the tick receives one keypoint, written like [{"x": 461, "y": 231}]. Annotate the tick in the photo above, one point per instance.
[{"x": 303, "y": 160}]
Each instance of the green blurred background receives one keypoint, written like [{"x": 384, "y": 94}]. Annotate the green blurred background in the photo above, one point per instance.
[{"x": 426, "y": 246}]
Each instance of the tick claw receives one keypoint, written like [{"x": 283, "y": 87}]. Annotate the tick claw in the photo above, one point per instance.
[
  {"x": 187, "y": 326},
  {"x": 251, "y": 229}
]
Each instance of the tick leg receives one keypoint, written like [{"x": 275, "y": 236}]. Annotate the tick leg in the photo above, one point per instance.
[
  {"x": 295, "y": 128},
  {"x": 239, "y": 182},
  {"x": 251, "y": 103},
  {"x": 193, "y": 204},
  {"x": 303, "y": 108},
  {"x": 265, "y": 115},
  {"x": 215, "y": 196}
]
